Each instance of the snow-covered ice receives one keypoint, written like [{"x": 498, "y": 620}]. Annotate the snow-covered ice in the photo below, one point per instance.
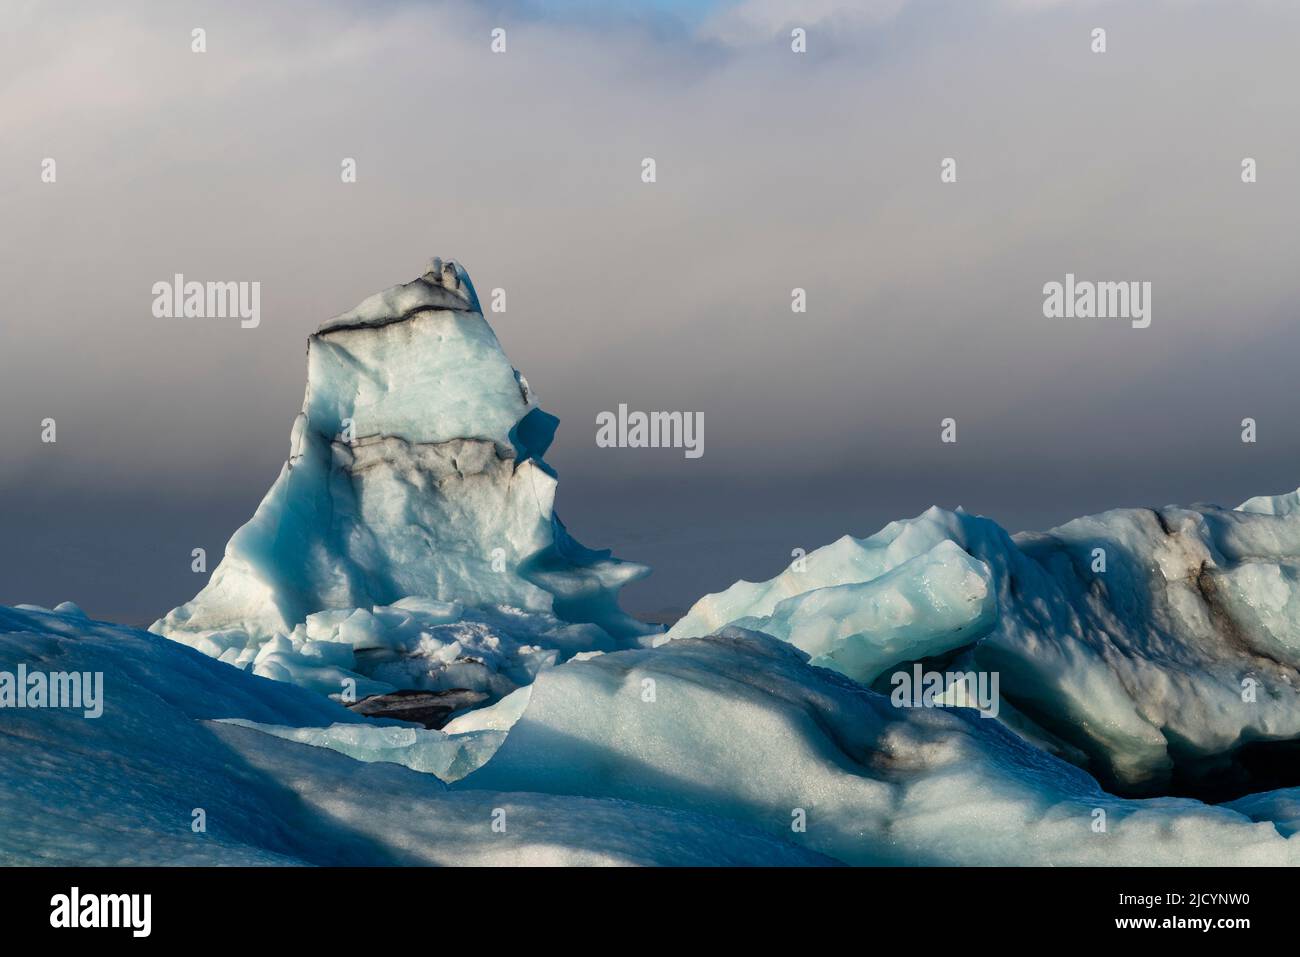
[
  {"x": 417, "y": 644},
  {"x": 123, "y": 789},
  {"x": 928, "y": 605},
  {"x": 414, "y": 517},
  {"x": 1150, "y": 645},
  {"x": 739, "y": 737},
  {"x": 415, "y": 464},
  {"x": 410, "y": 545},
  {"x": 739, "y": 725}
]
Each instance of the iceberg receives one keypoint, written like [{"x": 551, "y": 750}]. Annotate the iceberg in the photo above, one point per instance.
[
  {"x": 1157, "y": 648},
  {"x": 161, "y": 779},
  {"x": 931, "y": 604},
  {"x": 740, "y": 725},
  {"x": 408, "y": 563},
  {"x": 725, "y": 750},
  {"x": 413, "y": 519}
]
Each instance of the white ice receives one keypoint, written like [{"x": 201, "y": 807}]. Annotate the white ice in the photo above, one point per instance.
[
  {"x": 410, "y": 542},
  {"x": 415, "y": 475},
  {"x": 1137, "y": 640},
  {"x": 740, "y": 726},
  {"x": 125, "y": 788}
]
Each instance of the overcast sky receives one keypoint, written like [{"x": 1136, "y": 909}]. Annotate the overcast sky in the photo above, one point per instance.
[{"x": 775, "y": 170}]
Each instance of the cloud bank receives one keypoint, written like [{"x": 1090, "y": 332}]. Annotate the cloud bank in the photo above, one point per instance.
[{"x": 775, "y": 170}]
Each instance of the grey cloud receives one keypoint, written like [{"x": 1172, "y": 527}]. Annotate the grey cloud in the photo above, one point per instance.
[{"x": 775, "y": 171}]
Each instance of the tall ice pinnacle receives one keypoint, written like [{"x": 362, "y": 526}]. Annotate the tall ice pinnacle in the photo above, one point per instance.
[{"x": 415, "y": 470}]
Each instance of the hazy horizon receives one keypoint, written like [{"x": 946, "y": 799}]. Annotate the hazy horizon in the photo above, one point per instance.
[{"x": 775, "y": 170}]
